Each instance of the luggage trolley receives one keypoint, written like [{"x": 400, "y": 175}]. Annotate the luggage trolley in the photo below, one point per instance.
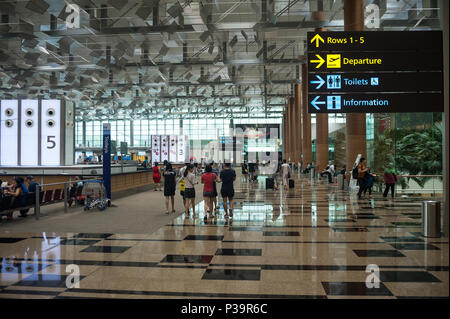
[{"x": 95, "y": 195}]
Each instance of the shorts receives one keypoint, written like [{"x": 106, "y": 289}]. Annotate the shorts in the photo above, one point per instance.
[
  {"x": 189, "y": 193},
  {"x": 169, "y": 192},
  {"x": 208, "y": 194},
  {"x": 229, "y": 193}
]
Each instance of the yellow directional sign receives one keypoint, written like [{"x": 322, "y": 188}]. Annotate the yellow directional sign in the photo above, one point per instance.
[
  {"x": 320, "y": 61},
  {"x": 318, "y": 39},
  {"x": 333, "y": 61}
]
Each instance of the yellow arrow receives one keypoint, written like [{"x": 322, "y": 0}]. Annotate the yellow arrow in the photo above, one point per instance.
[
  {"x": 317, "y": 38},
  {"x": 320, "y": 61}
]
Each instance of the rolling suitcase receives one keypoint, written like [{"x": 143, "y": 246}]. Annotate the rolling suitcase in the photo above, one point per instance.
[
  {"x": 291, "y": 183},
  {"x": 270, "y": 183}
]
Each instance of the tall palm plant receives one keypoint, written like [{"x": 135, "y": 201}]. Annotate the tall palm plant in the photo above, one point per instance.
[{"x": 420, "y": 152}]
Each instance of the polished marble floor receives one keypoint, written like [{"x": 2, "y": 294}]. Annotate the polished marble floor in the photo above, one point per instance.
[{"x": 313, "y": 241}]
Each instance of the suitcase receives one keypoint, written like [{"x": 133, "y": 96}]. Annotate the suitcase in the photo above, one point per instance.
[
  {"x": 291, "y": 183},
  {"x": 270, "y": 183}
]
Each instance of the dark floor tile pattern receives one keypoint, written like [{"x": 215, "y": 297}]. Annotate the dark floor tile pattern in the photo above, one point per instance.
[
  {"x": 350, "y": 229},
  {"x": 339, "y": 220},
  {"x": 402, "y": 246},
  {"x": 93, "y": 235},
  {"x": 196, "y": 259},
  {"x": 407, "y": 276},
  {"x": 237, "y": 228},
  {"x": 378, "y": 253},
  {"x": 105, "y": 249},
  {"x": 231, "y": 274},
  {"x": 354, "y": 289},
  {"x": 238, "y": 252},
  {"x": 78, "y": 242},
  {"x": 203, "y": 237},
  {"x": 193, "y": 294},
  {"x": 10, "y": 240},
  {"x": 30, "y": 292},
  {"x": 281, "y": 233},
  {"x": 407, "y": 224},
  {"x": 401, "y": 239}
]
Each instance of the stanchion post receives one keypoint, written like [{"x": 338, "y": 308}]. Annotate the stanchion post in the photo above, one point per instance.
[
  {"x": 37, "y": 203},
  {"x": 65, "y": 198}
]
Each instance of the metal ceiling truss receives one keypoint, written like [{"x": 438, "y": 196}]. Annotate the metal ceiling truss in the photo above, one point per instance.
[{"x": 151, "y": 58}]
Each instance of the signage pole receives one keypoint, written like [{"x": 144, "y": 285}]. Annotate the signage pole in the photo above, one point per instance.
[{"x": 107, "y": 158}]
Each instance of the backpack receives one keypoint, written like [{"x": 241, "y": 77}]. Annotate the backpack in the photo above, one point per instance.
[{"x": 355, "y": 172}]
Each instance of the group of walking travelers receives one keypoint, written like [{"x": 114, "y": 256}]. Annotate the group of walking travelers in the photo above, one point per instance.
[
  {"x": 186, "y": 177},
  {"x": 365, "y": 178}
]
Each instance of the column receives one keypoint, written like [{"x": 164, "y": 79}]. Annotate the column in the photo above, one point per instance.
[
  {"x": 321, "y": 141},
  {"x": 285, "y": 132},
  {"x": 306, "y": 120},
  {"x": 298, "y": 121},
  {"x": 291, "y": 129},
  {"x": 444, "y": 8},
  {"x": 355, "y": 122}
]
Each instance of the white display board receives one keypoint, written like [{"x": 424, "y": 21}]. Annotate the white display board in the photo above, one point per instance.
[
  {"x": 181, "y": 155},
  {"x": 156, "y": 149},
  {"x": 50, "y": 133},
  {"x": 164, "y": 148},
  {"x": 173, "y": 148},
  {"x": 9, "y": 132},
  {"x": 29, "y": 132}
]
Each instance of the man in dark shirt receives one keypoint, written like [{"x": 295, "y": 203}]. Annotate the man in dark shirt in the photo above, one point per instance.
[
  {"x": 251, "y": 171},
  {"x": 227, "y": 177},
  {"x": 31, "y": 184}
]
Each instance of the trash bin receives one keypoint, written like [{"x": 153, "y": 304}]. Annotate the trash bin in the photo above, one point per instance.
[
  {"x": 340, "y": 181},
  {"x": 431, "y": 218}
]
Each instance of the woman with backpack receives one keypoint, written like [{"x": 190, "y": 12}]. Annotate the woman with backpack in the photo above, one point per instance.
[
  {"x": 369, "y": 182},
  {"x": 169, "y": 186},
  {"x": 189, "y": 191},
  {"x": 390, "y": 178}
]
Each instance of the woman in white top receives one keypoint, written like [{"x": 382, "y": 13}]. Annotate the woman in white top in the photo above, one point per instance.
[
  {"x": 189, "y": 191},
  {"x": 285, "y": 169}
]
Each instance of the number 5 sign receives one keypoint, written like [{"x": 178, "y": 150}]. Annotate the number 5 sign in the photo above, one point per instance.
[{"x": 50, "y": 133}]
